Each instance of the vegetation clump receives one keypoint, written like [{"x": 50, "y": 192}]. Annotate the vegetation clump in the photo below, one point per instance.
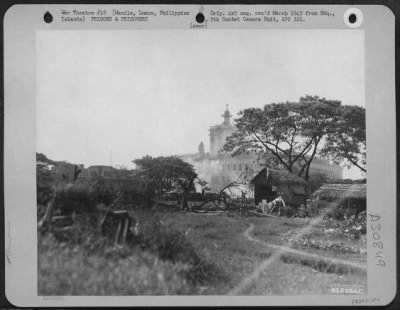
[{"x": 148, "y": 261}]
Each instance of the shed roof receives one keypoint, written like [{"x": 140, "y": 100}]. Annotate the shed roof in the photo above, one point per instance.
[
  {"x": 276, "y": 176},
  {"x": 342, "y": 191}
]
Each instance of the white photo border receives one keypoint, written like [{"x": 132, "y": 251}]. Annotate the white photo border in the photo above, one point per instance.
[{"x": 21, "y": 24}]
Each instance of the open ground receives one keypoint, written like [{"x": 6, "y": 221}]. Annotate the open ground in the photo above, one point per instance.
[{"x": 188, "y": 253}]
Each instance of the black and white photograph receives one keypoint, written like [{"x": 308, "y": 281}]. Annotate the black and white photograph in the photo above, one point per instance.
[
  {"x": 173, "y": 163},
  {"x": 199, "y": 155}
]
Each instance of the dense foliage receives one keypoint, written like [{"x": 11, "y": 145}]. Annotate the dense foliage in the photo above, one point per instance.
[
  {"x": 159, "y": 261},
  {"x": 296, "y": 132},
  {"x": 165, "y": 174}
]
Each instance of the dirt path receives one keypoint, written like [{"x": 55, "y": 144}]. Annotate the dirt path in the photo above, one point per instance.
[{"x": 285, "y": 249}]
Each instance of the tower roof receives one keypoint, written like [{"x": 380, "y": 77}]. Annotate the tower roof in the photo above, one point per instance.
[{"x": 227, "y": 115}]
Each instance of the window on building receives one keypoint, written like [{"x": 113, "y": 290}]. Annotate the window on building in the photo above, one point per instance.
[
  {"x": 240, "y": 167},
  {"x": 234, "y": 166}
]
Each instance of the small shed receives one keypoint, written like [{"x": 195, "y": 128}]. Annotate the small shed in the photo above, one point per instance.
[
  {"x": 270, "y": 183},
  {"x": 348, "y": 195}
]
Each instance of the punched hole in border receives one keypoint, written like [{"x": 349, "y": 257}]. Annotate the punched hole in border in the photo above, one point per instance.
[
  {"x": 200, "y": 18},
  {"x": 352, "y": 18},
  {"x": 48, "y": 18}
]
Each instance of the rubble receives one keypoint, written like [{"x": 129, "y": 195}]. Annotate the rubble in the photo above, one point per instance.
[
  {"x": 337, "y": 246},
  {"x": 351, "y": 226},
  {"x": 276, "y": 207}
]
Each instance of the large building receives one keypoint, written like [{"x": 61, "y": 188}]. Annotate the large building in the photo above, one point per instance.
[{"x": 220, "y": 168}]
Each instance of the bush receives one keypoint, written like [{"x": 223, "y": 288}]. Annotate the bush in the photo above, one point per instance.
[
  {"x": 64, "y": 269},
  {"x": 171, "y": 244},
  {"x": 158, "y": 255}
]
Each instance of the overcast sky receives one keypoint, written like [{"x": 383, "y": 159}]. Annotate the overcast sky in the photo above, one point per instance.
[{"x": 132, "y": 93}]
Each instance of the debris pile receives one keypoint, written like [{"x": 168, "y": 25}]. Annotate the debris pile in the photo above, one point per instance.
[
  {"x": 351, "y": 226},
  {"x": 276, "y": 207},
  {"x": 337, "y": 246}
]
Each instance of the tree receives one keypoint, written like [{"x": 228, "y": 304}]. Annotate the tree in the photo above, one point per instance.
[
  {"x": 186, "y": 186},
  {"x": 347, "y": 143},
  {"x": 318, "y": 119},
  {"x": 43, "y": 173},
  {"x": 292, "y": 132},
  {"x": 166, "y": 173},
  {"x": 44, "y": 187}
]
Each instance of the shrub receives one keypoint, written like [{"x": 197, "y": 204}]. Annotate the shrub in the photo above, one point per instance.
[
  {"x": 65, "y": 269},
  {"x": 171, "y": 244},
  {"x": 158, "y": 255}
]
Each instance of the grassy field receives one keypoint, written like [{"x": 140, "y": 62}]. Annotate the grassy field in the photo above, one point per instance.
[
  {"x": 190, "y": 253},
  {"x": 221, "y": 239}
]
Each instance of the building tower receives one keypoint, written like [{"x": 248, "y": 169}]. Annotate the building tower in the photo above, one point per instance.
[
  {"x": 219, "y": 133},
  {"x": 201, "y": 148},
  {"x": 227, "y": 116}
]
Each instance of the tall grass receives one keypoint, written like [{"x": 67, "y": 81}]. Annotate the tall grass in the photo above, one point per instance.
[
  {"x": 161, "y": 237},
  {"x": 158, "y": 261},
  {"x": 184, "y": 254}
]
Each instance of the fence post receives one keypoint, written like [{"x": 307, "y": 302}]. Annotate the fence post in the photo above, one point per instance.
[{"x": 118, "y": 232}]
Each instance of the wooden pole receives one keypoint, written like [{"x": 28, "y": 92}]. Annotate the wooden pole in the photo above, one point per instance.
[
  {"x": 125, "y": 231},
  {"x": 118, "y": 232},
  {"x": 46, "y": 219}
]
